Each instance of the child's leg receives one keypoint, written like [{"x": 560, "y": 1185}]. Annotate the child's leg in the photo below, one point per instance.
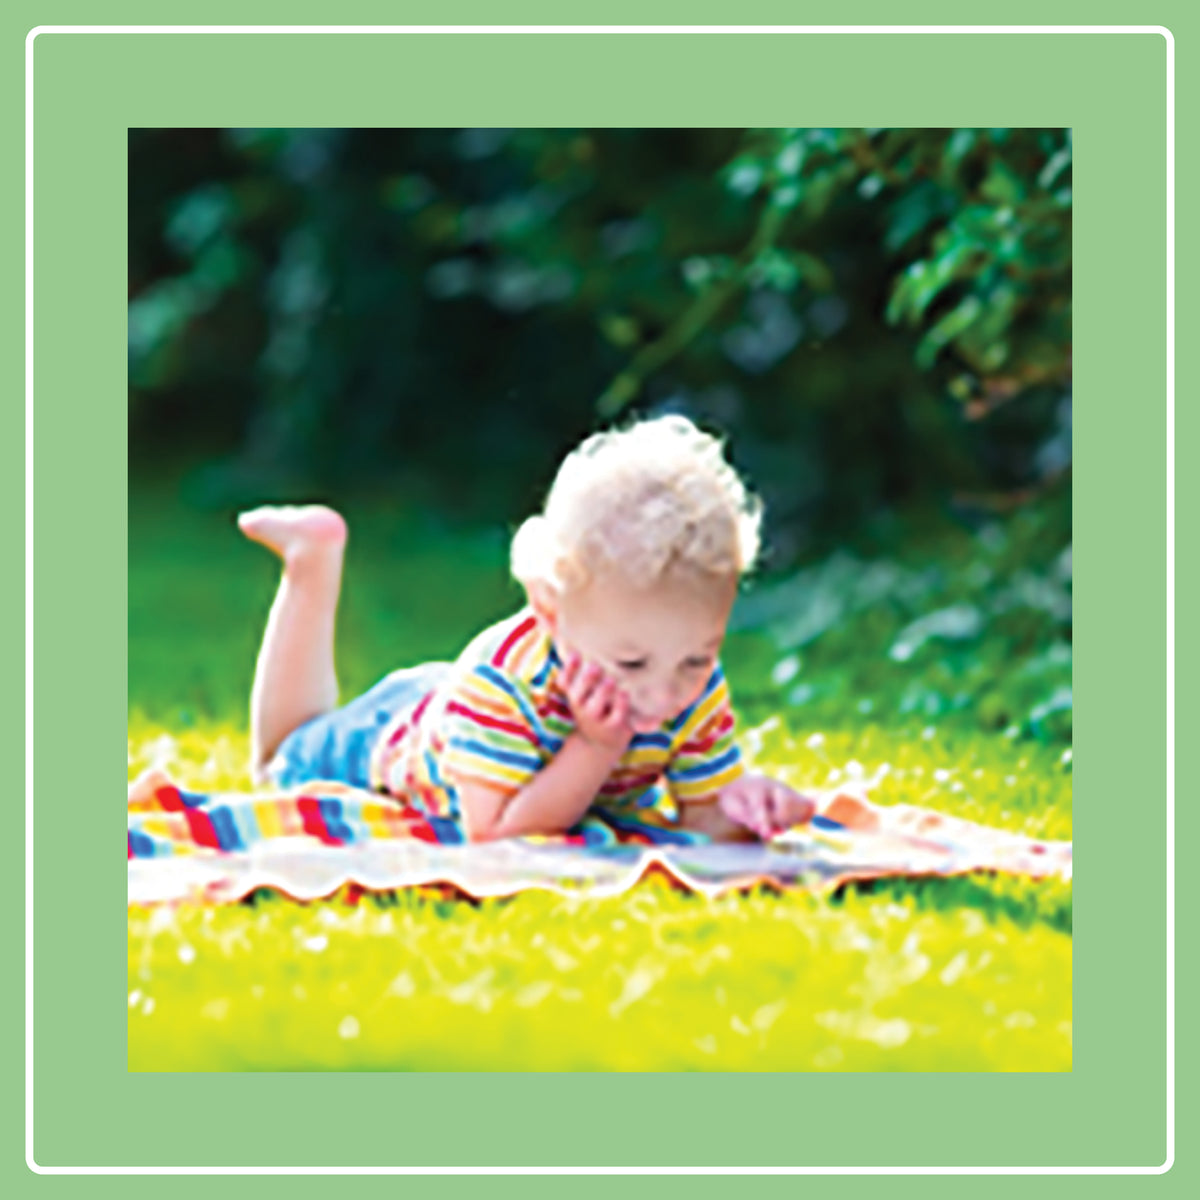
[{"x": 294, "y": 678}]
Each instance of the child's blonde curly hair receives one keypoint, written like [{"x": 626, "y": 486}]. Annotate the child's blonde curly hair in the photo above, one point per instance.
[{"x": 653, "y": 501}]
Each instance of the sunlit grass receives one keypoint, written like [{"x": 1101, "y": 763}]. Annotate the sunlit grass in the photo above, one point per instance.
[
  {"x": 942, "y": 974},
  {"x": 649, "y": 981},
  {"x": 947, "y": 974}
]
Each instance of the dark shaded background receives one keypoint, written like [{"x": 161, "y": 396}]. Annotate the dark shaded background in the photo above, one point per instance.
[{"x": 879, "y": 319}]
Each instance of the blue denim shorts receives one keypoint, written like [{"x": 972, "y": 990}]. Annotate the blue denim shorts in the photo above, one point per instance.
[{"x": 337, "y": 745}]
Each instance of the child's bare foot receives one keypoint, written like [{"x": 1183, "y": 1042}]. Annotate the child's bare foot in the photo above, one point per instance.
[{"x": 296, "y": 532}]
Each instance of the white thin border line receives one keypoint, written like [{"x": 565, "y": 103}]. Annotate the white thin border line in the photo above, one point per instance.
[
  {"x": 1170, "y": 603},
  {"x": 621, "y": 29},
  {"x": 29, "y": 603},
  {"x": 458, "y": 29},
  {"x": 40, "y": 1170}
]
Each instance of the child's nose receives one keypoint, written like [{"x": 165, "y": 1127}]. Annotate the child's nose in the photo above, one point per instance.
[{"x": 657, "y": 700}]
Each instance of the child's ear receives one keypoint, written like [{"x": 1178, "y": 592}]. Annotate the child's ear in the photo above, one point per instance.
[{"x": 543, "y": 599}]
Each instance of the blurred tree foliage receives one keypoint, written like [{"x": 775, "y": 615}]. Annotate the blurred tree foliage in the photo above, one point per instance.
[{"x": 878, "y": 316}]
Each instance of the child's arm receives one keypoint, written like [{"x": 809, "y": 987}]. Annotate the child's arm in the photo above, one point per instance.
[
  {"x": 554, "y": 800},
  {"x": 709, "y": 818},
  {"x": 563, "y": 790}
]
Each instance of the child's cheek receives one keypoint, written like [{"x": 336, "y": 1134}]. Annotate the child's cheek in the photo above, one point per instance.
[{"x": 565, "y": 648}]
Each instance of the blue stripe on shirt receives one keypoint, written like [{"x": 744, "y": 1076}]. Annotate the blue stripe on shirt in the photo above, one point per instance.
[
  {"x": 714, "y": 681},
  {"x": 661, "y": 740},
  {"x": 702, "y": 770},
  {"x": 483, "y": 750},
  {"x": 505, "y": 684}
]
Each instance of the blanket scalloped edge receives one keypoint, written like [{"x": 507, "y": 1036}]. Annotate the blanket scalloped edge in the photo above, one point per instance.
[{"x": 851, "y": 840}]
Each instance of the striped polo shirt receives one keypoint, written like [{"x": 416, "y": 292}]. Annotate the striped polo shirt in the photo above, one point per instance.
[{"x": 500, "y": 716}]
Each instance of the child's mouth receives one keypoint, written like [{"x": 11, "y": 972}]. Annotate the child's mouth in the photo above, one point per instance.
[{"x": 640, "y": 724}]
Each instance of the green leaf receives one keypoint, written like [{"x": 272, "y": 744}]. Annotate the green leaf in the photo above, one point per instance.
[
  {"x": 870, "y": 186},
  {"x": 914, "y": 211},
  {"x": 790, "y": 160},
  {"x": 995, "y": 356},
  {"x": 962, "y": 388},
  {"x": 815, "y": 273},
  {"x": 199, "y": 217},
  {"x": 774, "y": 269},
  {"x": 618, "y": 395},
  {"x": 1057, "y": 164},
  {"x": 961, "y": 143},
  {"x": 407, "y": 193},
  {"x": 620, "y": 330},
  {"x": 786, "y": 197},
  {"x": 744, "y": 176},
  {"x": 830, "y": 140},
  {"x": 1002, "y": 185},
  {"x": 947, "y": 329},
  {"x": 923, "y": 281}
]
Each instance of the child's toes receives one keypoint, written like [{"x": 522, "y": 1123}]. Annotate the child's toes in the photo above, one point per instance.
[{"x": 289, "y": 529}]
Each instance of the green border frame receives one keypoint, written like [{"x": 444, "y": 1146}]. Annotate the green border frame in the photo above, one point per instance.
[{"x": 89, "y": 88}]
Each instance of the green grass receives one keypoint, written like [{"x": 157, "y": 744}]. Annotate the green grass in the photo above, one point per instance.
[{"x": 949, "y": 974}]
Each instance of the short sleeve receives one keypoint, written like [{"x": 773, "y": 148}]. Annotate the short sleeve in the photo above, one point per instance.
[
  {"x": 705, "y": 757},
  {"x": 490, "y": 732}
]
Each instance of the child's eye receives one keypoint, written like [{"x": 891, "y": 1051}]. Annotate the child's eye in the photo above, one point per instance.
[
  {"x": 698, "y": 664},
  {"x": 635, "y": 664}
]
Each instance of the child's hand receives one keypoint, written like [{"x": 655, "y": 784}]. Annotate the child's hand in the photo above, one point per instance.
[
  {"x": 598, "y": 704},
  {"x": 765, "y": 806}
]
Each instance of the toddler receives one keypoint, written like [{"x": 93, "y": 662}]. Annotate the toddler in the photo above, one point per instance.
[{"x": 599, "y": 706}]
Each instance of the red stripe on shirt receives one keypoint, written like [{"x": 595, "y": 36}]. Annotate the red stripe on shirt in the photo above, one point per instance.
[
  {"x": 619, "y": 784},
  {"x": 399, "y": 733},
  {"x": 701, "y": 745},
  {"x": 480, "y": 718},
  {"x": 422, "y": 705},
  {"x": 522, "y": 630}
]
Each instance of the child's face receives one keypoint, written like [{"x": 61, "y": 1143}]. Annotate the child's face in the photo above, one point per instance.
[{"x": 659, "y": 644}]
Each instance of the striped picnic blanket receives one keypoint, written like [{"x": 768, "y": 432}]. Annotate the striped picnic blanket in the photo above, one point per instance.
[{"x": 316, "y": 840}]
